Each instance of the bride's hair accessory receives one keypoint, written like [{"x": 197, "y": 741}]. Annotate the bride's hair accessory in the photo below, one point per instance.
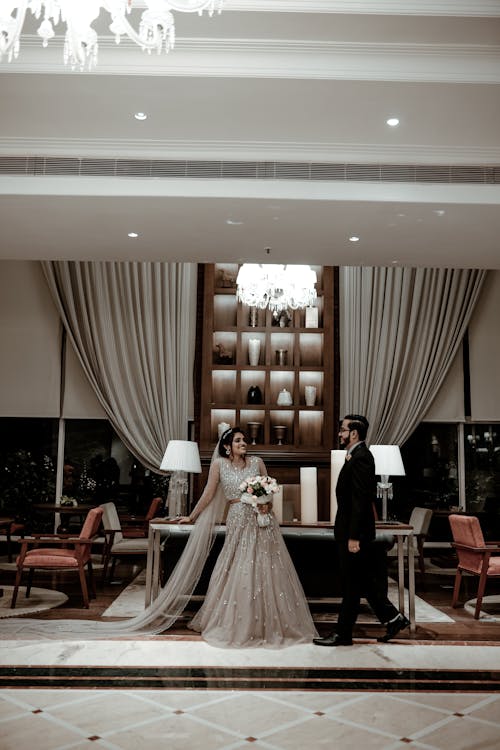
[{"x": 225, "y": 435}]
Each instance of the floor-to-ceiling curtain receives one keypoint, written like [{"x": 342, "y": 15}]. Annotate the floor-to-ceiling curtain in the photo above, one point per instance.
[
  {"x": 400, "y": 329},
  {"x": 132, "y": 326}
]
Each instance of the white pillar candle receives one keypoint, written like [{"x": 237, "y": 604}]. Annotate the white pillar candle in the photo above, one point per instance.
[
  {"x": 278, "y": 505},
  {"x": 337, "y": 462},
  {"x": 308, "y": 494}
]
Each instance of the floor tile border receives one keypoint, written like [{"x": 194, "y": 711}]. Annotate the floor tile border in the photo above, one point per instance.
[{"x": 251, "y": 678}]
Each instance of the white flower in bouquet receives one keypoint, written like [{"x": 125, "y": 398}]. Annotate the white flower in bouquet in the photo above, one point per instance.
[{"x": 258, "y": 491}]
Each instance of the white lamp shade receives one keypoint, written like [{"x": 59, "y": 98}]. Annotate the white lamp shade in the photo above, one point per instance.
[
  {"x": 182, "y": 455},
  {"x": 388, "y": 461}
]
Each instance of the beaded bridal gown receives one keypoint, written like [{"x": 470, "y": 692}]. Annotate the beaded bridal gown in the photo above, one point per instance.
[{"x": 254, "y": 597}]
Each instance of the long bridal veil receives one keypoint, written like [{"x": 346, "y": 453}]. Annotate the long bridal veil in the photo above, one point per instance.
[{"x": 158, "y": 616}]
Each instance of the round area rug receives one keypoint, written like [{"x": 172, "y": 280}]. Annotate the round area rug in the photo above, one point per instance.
[
  {"x": 38, "y": 601},
  {"x": 490, "y": 608}
]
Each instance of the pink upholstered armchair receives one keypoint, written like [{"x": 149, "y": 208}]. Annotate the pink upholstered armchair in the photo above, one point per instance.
[
  {"x": 474, "y": 556},
  {"x": 65, "y": 553}
]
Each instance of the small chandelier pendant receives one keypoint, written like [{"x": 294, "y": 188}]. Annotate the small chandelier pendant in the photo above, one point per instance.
[{"x": 275, "y": 286}]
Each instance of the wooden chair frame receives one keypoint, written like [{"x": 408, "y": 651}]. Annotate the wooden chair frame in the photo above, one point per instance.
[
  {"x": 62, "y": 541},
  {"x": 473, "y": 558}
]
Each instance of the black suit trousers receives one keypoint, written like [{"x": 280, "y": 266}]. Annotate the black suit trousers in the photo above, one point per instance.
[{"x": 363, "y": 574}]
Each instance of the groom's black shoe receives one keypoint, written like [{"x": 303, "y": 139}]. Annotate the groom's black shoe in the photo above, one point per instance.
[
  {"x": 399, "y": 623},
  {"x": 332, "y": 640}
]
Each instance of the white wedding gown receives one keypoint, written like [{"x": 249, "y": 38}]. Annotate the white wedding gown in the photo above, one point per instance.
[{"x": 254, "y": 597}]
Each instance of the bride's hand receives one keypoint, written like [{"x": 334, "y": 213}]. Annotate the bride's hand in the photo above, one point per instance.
[{"x": 180, "y": 519}]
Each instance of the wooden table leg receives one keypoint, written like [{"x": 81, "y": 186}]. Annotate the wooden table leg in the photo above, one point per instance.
[
  {"x": 149, "y": 566},
  {"x": 401, "y": 573},
  {"x": 411, "y": 583}
]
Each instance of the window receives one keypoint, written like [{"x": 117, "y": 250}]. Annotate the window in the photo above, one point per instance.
[
  {"x": 430, "y": 457},
  {"x": 482, "y": 468}
]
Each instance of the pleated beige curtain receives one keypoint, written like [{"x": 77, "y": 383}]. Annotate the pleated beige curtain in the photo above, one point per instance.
[
  {"x": 132, "y": 326},
  {"x": 400, "y": 329}
]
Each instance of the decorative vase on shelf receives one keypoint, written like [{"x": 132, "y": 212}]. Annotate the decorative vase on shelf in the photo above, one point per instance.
[
  {"x": 310, "y": 395},
  {"x": 253, "y": 317},
  {"x": 254, "y": 395},
  {"x": 285, "y": 398},
  {"x": 253, "y": 351},
  {"x": 281, "y": 356}
]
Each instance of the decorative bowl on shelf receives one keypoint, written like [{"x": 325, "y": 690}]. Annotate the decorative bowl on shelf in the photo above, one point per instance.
[
  {"x": 280, "y": 433},
  {"x": 253, "y": 431}
]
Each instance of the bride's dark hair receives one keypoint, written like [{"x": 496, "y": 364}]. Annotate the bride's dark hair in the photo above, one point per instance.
[{"x": 227, "y": 438}]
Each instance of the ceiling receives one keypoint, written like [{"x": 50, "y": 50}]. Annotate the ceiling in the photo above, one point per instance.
[{"x": 266, "y": 139}]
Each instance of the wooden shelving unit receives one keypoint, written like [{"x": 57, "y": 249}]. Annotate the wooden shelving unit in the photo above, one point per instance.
[{"x": 227, "y": 375}]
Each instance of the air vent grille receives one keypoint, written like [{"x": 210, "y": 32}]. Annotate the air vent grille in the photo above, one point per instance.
[{"x": 248, "y": 170}]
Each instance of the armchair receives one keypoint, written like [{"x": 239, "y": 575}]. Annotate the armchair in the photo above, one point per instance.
[
  {"x": 66, "y": 553},
  {"x": 474, "y": 556},
  {"x": 116, "y": 545},
  {"x": 420, "y": 519}
]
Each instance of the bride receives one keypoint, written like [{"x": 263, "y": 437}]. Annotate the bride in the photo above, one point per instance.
[{"x": 254, "y": 597}]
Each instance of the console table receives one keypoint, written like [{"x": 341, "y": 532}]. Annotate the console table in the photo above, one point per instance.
[{"x": 162, "y": 529}]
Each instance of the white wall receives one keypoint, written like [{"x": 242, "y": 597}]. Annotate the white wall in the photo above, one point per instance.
[
  {"x": 484, "y": 348},
  {"x": 30, "y": 343},
  {"x": 31, "y": 351}
]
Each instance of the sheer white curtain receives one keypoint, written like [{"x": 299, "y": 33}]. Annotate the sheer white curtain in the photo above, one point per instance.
[
  {"x": 132, "y": 326},
  {"x": 400, "y": 329}
]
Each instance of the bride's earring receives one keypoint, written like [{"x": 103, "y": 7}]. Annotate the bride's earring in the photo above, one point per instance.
[{"x": 228, "y": 452}]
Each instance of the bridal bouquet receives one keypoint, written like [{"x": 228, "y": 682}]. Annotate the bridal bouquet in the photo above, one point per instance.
[{"x": 257, "y": 491}]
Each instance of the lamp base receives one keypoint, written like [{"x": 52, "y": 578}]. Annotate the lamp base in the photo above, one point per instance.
[
  {"x": 177, "y": 495},
  {"x": 384, "y": 491}
]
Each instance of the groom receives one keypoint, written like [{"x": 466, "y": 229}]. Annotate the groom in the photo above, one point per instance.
[{"x": 362, "y": 571}]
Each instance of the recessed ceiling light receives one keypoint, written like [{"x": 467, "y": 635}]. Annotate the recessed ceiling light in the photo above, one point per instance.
[
  {"x": 133, "y": 234},
  {"x": 234, "y": 222},
  {"x": 141, "y": 116},
  {"x": 392, "y": 122},
  {"x": 439, "y": 212},
  {"x": 353, "y": 238}
]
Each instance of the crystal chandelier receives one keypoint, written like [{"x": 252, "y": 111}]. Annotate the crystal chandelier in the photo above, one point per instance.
[
  {"x": 156, "y": 28},
  {"x": 275, "y": 286}
]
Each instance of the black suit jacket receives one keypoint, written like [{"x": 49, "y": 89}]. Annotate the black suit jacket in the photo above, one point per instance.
[{"x": 356, "y": 492}]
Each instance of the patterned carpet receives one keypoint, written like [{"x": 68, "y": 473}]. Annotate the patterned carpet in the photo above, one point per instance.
[{"x": 131, "y": 601}]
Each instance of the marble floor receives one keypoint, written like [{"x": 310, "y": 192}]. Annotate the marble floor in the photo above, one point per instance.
[
  {"x": 183, "y": 694},
  {"x": 436, "y": 689}
]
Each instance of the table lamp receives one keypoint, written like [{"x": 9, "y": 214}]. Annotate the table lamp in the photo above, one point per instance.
[
  {"x": 181, "y": 457},
  {"x": 388, "y": 462}
]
